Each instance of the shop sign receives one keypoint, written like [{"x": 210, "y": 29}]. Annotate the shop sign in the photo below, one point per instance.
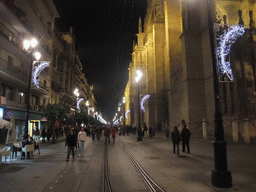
[
  {"x": 1, "y": 113},
  {"x": 8, "y": 114}
]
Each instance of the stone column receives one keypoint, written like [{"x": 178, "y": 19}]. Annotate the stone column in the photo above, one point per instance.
[
  {"x": 235, "y": 130},
  {"x": 246, "y": 131},
  {"x": 204, "y": 129}
]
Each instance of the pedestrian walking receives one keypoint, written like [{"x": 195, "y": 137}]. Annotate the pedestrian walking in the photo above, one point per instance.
[
  {"x": 114, "y": 134},
  {"x": 107, "y": 135},
  {"x": 43, "y": 135},
  {"x": 98, "y": 131},
  {"x": 150, "y": 131},
  {"x": 93, "y": 133},
  {"x": 71, "y": 143},
  {"x": 185, "y": 137},
  {"x": 81, "y": 137},
  {"x": 175, "y": 139}
]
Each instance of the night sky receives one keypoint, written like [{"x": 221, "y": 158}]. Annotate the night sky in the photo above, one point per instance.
[{"x": 104, "y": 31}]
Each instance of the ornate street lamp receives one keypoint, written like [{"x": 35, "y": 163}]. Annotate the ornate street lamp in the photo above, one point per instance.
[
  {"x": 137, "y": 79},
  {"x": 124, "y": 110},
  {"x": 29, "y": 46},
  {"x": 221, "y": 177}
]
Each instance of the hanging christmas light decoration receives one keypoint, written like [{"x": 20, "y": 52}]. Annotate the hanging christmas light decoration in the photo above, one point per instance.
[
  {"x": 143, "y": 100},
  {"x": 223, "y": 51},
  {"x": 128, "y": 111},
  {"x": 78, "y": 103},
  {"x": 38, "y": 69}
]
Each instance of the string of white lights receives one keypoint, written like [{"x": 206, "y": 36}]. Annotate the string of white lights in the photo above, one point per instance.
[{"x": 226, "y": 40}]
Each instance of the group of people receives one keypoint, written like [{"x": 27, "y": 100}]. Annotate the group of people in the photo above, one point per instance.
[
  {"x": 72, "y": 139},
  {"x": 184, "y": 136}
]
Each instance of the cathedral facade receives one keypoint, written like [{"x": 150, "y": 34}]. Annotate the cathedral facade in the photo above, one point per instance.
[{"x": 173, "y": 53}]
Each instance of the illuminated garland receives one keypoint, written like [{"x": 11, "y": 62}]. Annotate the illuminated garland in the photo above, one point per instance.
[
  {"x": 143, "y": 100},
  {"x": 120, "y": 119},
  {"x": 226, "y": 40},
  {"x": 128, "y": 111},
  {"x": 78, "y": 103},
  {"x": 90, "y": 108},
  {"x": 39, "y": 68},
  {"x": 95, "y": 115}
]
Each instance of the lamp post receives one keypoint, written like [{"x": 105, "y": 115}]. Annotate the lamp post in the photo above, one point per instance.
[
  {"x": 124, "y": 110},
  {"x": 220, "y": 177},
  {"x": 29, "y": 47},
  {"x": 137, "y": 79}
]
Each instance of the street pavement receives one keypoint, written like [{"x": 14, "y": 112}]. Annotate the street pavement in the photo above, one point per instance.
[{"x": 186, "y": 172}]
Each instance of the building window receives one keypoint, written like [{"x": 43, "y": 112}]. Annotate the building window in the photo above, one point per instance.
[
  {"x": 22, "y": 97},
  {"x": 35, "y": 100},
  {"x": 2, "y": 90},
  {"x": 10, "y": 61},
  {"x": 9, "y": 93},
  {"x": 44, "y": 101},
  {"x": 45, "y": 83}
]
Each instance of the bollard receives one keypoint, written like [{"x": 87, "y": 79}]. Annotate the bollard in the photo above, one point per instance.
[
  {"x": 235, "y": 130},
  {"x": 204, "y": 129},
  {"x": 246, "y": 131}
]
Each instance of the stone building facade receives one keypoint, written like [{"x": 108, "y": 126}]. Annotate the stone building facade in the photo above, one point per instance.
[{"x": 174, "y": 54}]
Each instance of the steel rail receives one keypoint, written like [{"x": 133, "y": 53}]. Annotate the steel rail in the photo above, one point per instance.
[
  {"x": 106, "y": 182},
  {"x": 152, "y": 185}
]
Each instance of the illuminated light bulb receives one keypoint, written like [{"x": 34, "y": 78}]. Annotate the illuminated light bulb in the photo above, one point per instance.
[
  {"x": 26, "y": 44},
  {"x": 37, "y": 55},
  {"x": 33, "y": 43}
]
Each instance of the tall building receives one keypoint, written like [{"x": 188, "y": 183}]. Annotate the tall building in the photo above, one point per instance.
[
  {"x": 174, "y": 54},
  {"x": 20, "y": 20}
]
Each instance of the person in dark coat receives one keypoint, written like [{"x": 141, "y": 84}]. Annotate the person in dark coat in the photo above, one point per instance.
[
  {"x": 185, "y": 136},
  {"x": 71, "y": 143},
  {"x": 43, "y": 135},
  {"x": 175, "y": 139},
  {"x": 107, "y": 135},
  {"x": 114, "y": 134}
]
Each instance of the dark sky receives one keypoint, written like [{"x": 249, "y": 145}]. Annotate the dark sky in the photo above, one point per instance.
[{"x": 104, "y": 30}]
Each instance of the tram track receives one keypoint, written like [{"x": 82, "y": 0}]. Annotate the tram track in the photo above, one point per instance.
[
  {"x": 151, "y": 184},
  {"x": 106, "y": 186}
]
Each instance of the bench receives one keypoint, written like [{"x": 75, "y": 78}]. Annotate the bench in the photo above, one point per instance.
[
  {"x": 29, "y": 148},
  {"x": 6, "y": 151}
]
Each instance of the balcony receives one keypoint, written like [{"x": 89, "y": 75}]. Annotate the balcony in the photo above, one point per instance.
[
  {"x": 42, "y": 90},
  {"x": 17, "y": 19},
  {"x": 13, "y": 75}
]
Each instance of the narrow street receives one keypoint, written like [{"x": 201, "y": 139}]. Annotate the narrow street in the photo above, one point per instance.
[{"x": 187, "y": 172}]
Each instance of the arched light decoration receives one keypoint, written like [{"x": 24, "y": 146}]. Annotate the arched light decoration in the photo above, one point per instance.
[
  {"x": 95, "y": 115},
  {"x": 39, "y": 68},
  {"x": 78, "y": 103},
  {"x": 223, "y": 51},
  {"x": 143, "y": 100},
  {"x": 120, "y": 119},
  {"x": 116, "y": 122},
  {"x": 90, "y": 108},
  {"x": 128, "y": 111}
]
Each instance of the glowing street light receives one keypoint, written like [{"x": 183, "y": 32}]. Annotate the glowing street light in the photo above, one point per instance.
[
  {"x": 137, "y": 79},
  {"x": 29, "y": 46}
]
